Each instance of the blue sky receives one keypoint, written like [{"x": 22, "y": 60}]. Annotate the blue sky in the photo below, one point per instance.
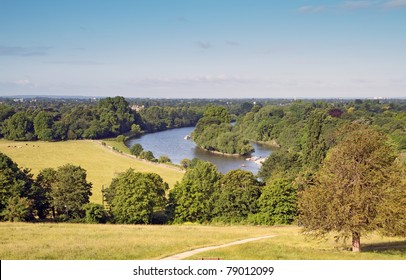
[{"x": 196, "y": 49}]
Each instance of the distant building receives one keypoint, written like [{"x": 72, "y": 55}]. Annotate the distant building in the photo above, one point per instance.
[{"x": 136, "y": 107}]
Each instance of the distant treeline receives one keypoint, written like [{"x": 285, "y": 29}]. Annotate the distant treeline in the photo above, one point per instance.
[
  {"x": 305, "y": 127},
  {"x": 88, "y": 119}
]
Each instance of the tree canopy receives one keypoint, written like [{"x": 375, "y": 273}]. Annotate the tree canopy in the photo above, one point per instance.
[
  {"x": 133, "y": 196},
  {"x": 192, "y": 197},
  {"x": 357, "y": 178}
]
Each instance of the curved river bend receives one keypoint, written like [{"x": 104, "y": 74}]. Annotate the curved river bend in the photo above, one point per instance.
[{"x": 171, "y": 143}]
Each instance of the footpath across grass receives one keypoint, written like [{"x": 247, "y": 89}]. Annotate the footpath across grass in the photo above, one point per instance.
[
  {"x": 291, "y": 244},
  {"x": 111, "y": 242},
  {"x": 101, "y": 163}
]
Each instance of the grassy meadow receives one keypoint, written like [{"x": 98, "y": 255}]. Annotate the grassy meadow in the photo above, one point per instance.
[
  {"x": 101, "y": 163},
  {"x": 107, "y": 242}
]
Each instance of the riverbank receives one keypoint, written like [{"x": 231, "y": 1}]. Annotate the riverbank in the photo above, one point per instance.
[
  {"x": 171, "y": 143},
  {"x": 128, "y": 155}
]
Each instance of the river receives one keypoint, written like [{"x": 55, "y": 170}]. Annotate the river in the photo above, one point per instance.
[{"x": 171, "y": 143}]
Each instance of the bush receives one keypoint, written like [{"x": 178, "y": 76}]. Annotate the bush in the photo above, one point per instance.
[
  {"x": 95, "y": 214},
  {"x": 164, "y": 159},
  {"x": 136, "y": 149},
  {"x": 120, "y": 138}
]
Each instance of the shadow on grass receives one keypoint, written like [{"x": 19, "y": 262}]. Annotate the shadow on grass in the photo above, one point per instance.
[{"x": 386, "y": 247}]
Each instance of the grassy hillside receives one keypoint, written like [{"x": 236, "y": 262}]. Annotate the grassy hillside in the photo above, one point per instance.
[
  {"x": 101, "y": 163},
  {"x": 83, "y": 241}
]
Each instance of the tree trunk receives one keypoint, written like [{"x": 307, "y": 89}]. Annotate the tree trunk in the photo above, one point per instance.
[{"x": 356, "y": 242}]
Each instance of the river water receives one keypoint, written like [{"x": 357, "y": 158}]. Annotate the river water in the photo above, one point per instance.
[{"x": 171, "y": 143}]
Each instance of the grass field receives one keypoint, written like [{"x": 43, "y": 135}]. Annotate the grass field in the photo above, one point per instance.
[
  {"x": 101, "y": 163},
  {"x": 291, "y": 244},
  {"x": 106, "y": 242}
]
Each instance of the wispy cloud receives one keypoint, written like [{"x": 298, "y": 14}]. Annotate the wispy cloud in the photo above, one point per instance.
[
  {"x": 24, "y": 82},
  {"x": 232, "y": 43},
  {"x": 355, "y": 5},
  {"x": 191, "y": 81},
  {"x": 311, "y": 9},
  {"x": 395, "y": 4},
  {"x": 204, "y": 45},
  {"x": 23, "y": 51},
  {"x": 75, "y": 62}
]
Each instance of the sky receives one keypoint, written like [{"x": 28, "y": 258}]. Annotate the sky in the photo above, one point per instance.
[{"x": 204, "y": 48}]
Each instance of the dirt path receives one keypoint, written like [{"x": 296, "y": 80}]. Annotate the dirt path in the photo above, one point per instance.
[{"x": 204, "y": 249}]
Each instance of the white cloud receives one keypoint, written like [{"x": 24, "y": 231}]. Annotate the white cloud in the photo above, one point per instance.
[
  {"x": 395, "y": 4},
  {"x": 23, "y": 82},
  {"x": 311, "y": 9},
  {"x": 354, "y": 5}
]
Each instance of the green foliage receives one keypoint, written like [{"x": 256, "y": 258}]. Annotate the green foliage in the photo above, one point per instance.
[
  {"x": 67, "y": 190},
  {"x": 43, "y": 126},
  {"x": 157, "y": 118},
  {"x": 147, "y": 155},
  {"x": 136, "y": 149},
  {"x": 95, "y": 213},
  {"x": 236, "y": 197},
  {"x": 164, "y": 159},
  {"x": 133, "y": 196},
  {"x": 43, "y": 186},
  {"x": 185, "y": 163},
  {"x": 115, "y": 115},
  {"x": 18, "y": 127},
  {"x": 120, "y": 138},
  {"x": 280, "y": 163},
  {"x": 15, "y": 184},
  {"x": 277, "y": 204},
  {"x": 135, "y": 129},
  {"x": 19, "y": 209},
  {"x": 191, "y": 199},
  {"x": 357, "y": 178},
  {"x": 214, "y": 132}
]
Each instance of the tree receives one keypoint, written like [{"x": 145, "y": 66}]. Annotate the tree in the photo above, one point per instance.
[
  {"x": 19, "y": 209},
  {"x": 192, "y": 198},
  {"x": 95, "y": 213},
  {"x": 164, "y": 159},
  {"x": 136, "y": 149},
  {"x": 115, "y": 115},
  {"x": 236, "y": 197},
  {"x": 18, "y": 127},
  {"x": 147, "y": 155},
  {"x": 185, "y": 163},
  {"x": 43, "y": 126},
  {"x": 357, "y": 180},
  {"x": 70, "y": 190},
  {"x": 133, "y": 196},
  {"x": 16, "y": 195},
  {"x": 44, "y": 184},
  {"x": 277, "y": 204}
]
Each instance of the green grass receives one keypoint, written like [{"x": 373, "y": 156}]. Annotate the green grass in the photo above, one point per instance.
[
  {"x": 118, "y": 145},
  {"x": 101, "y": 163},
  {"x": 105, "y": 242},
  {"x": 291, "y": 244}
]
